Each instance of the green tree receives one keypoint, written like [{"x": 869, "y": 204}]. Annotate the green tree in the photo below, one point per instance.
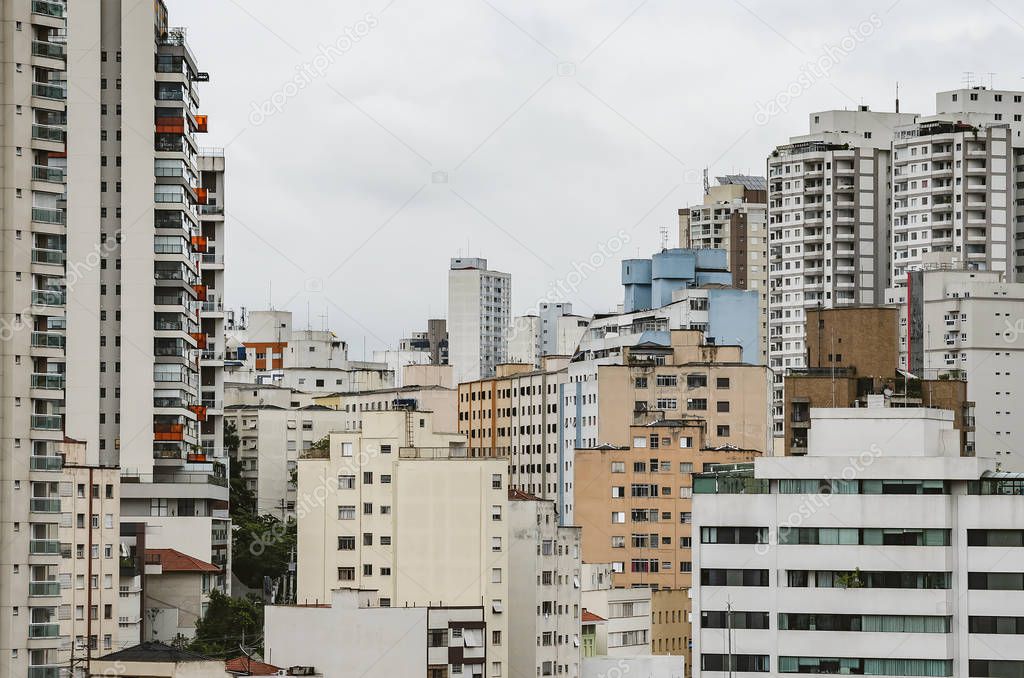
[
  {"x": 261, "y": 547},
  {"x": 227, "y": 623}
]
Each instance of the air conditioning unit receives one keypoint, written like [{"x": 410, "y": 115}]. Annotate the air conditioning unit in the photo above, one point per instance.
[{"x": 301, "y": 671}]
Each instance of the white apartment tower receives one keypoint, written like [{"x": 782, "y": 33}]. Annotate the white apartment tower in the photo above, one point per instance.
[
  {"x": 479, "y": 316},
  {"x": 828, "y": 216}
]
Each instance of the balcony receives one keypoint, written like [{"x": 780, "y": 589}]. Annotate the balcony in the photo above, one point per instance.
[
  {"x": 48, "y": 297},
  {"x": 213, "y": 259},
  {"x": 200, "y": 338},
  {"x": 52, "y": 174},
  {"x": 51, "y": 50},
  {"x": 211, "y": 209},
  {"x": 52, "y": 257},
  {"x": 47, "y": 422},
  {"x": 47, "y": 340},
  {"x": 46, "y": 463},
  {"x": 202, "y": 124},
  {"x": 170, "y": 125},
  {"x": 54, "y": 9},
  {"x": 44, "y": 589},
  {"x": 48, "y": 91},
  {"x": 43, "y": 630},
  {"x": 46, "y": 215},
  {"x": 44, "y": 505},
  {"x": 45, "y": 547},
  {"x": 48, "y": 671},
  {"x": 199, "y": 243},
  {"x": 213, "y": 306},
  {"x": 48, "y": 381},
  {"x": 169, "y": 432},
  {"x": 49, "y": 133},
  {"x": 200, "y": 292}
]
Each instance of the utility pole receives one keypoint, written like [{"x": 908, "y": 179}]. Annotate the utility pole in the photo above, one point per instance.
[{"x": 728, "y": 633}]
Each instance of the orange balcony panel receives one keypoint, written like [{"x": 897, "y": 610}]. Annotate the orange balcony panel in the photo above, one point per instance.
[
  {"x": 169, "y": 432},
  {"x": 199, "y": 243},
  {"x": 170, "y": 125},
  {"x": 200, "y": 292},
  {"x": 201, "y": 195},
  {"x": 201, "y": 123},
  {"x": 196, "y": 457},
  {"x": 200, "y": 339},
  {"x": 200, "y": 411}
]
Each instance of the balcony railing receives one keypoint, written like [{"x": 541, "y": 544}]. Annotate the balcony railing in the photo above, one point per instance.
[
  {"x": 45, "y": 547},
  {"x": 47, "y": 8},
  {"x": 47, "y": 422},
  {"x": 48, "y": 381},
  {"x": 44, "y": 589},
  {"x": 44, "y": 504},
  {"x": 41, "y": 256},
  {"x": 49, "y": 133},
  {"x": 51, "y": 174},
  {"x": 47, "y": 340},
  {"x": 44, "y": 671},
  {"x": 52, "y": 50},
  {"x": 48, "y": 91},
  {"x": 45, "y": 215},
  {"x": 211, "y": 209},
  {"x": 43, "y": 630},
  {"x": 48, "y": 297},
  {"x": 46, "y": 463},
  {"x": 213, "y": 306}
]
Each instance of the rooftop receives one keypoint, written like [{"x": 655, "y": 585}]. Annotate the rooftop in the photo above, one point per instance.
[
  {"x": 247, "y": 666},
  {"x": 171, "y": 560},
  {"x": 152, "y": 651}
]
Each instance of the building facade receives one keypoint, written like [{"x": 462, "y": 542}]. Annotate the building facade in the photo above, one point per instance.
[
  {"x": 479, "y": 318},
  {"x": 881, "y": 552}
]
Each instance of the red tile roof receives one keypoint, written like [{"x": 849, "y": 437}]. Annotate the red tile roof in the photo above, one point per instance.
[
  {"x": 244, "y": 666},
  {"x": 171, "y": 560},
  {"x": 518, "y": 495},
  {"x": 589, "y": 616}
]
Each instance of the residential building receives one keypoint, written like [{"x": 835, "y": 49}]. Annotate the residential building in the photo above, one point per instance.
[
  {"x": 734, "y": 218},
  {"x": 434, "y": 341},
  {"x": 828, "y": 221},
  {"x": 957, "y": 322},
  {"x": 524, "y": 340},
  {"x": 515, "y": 415},
  {"x": 266, "y": 349},
  {"x": 178, "y": 590},
  {"x": 625, "y": 629},
  {"x": 479, "y": 303},
  {"x": 425, "y": 641},
  {"x": 32, "y": 309},
  {"x": 153, "y": 659},
  {"x": 633, "y": 505},
  {"x": 212, "y": 340},
  {"x": 552, "y": 331},
  {"x": 648, "y": 666},
  {"x": 955, "y": 182},
  {"x": 74, "y": 598},
  {"x": 439, "y": 400},
  {"x": 883, "y": 551},
  {"x": 853, "y": 356},
  {"x": 398, "y": 492},
  {"x": 544, "y": 589}
]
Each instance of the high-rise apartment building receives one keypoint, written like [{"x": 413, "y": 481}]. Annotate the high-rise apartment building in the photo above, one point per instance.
[
  {"x": 828, "y": 217},
  {"x": 479, "y": 317},
  {"x": 552, "y": 331},
  {"x": 960, "y": 323},
  {"x": 33, "y": 290},
  {"x": 882, "y": 552},
  {"x": 734, "y": 218}
]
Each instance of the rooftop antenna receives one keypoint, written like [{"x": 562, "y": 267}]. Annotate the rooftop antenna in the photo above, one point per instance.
[
  {"x": 707, "y": 184},
  {"x": 968, "y": 78},
  {"x": 664, "y": 237},
  {"x": 991, "y": 79},
  {"x": 897, "y": 96}
]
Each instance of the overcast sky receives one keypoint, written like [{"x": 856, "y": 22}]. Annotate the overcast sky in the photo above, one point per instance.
[{"x": 542, "y": 136}]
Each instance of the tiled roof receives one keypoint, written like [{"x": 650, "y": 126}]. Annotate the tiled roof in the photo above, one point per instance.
[
  {"x": 589, "y": 616},
  {"x": 172, "y": 560},
  {"x": 244, "y": 666}
]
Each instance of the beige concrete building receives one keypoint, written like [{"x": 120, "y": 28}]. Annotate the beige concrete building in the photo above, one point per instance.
[
  {"x": 177, "y": 593},
  {"x": 515, "y": 415},
  {"x": 633, "y": 504},
  {"x": 623, "y": 624},
  {"x": 544, "y": 589},
  {"x": 734, "y": 217},
  {"x": 387, "y": 508},
  {"x": 436, "y": 399},
  {"x": 157, "y": 660}
]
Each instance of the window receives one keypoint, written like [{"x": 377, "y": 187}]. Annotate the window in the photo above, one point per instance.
[
  {"x": 496, "y": 481},
  {"x": 346, "y": 482},
  {"x": 618, "y": 517},
  {"x": 618, "y": 467},
  {"x": 347, "y": 543},
  {"x": 496, "y": 544},
  {"x": 496, "y": 512},
  {"x": 722, "y": 405},
  {"x": 346, "y": 574},
  {"x": 495, "y": 575},
  {"x": 722, "y": 382},
  {"x": 346, "y": 513}
]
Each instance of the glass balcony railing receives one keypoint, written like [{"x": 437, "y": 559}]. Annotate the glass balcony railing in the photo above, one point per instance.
[
  {"x": 47, "y": 340},
  {"x": 44, "y": 671},
  {"x": 47, "y": 8},
  {"x": 44, "y": 504},
  {"x": 49, "y": 133},
  {"x": 52, "y": 174},
  {"x": 43, "y": 630},
  {"x": 52, "y": 50},
  {"x": 47, "y": 422},
  {"x": 44, "y": 588},
  {"x": 45, "y": 547},
  {"x": 46, "y": 215},
  {"x": 46, "y": 463},
  {"x": 48, "y": 297},
  {"x": 48, "y": 381},
  {"x": 40, "y": 256},
  {"x": 48, "y": 91}
]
